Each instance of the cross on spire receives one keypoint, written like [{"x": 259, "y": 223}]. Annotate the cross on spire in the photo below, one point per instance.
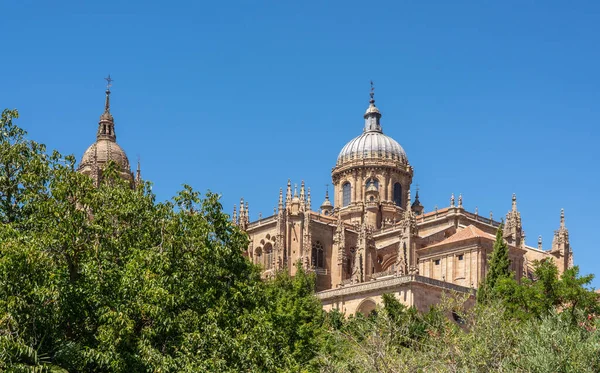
[
  {"x": 109, "y": 81},
  {"x": 372, "y": 94}
]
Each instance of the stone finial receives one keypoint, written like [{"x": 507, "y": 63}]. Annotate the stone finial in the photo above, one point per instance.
[
  {"x": 540, "y": 243},
  {"x": 295, "y": 190},
  {"x": 491, "y": 216},
  {"x": 234, "y": 216},
  {"x": 408, "y": 200},
  {"x": 476, "y": 210},
  {"x": 288, "y": 193},
  {"x": 259, "y": 215},
  {"x": 562, "y": 218},
  {"x": 138, "y": 172},
  {"x": 247, "y": 213},
  {"x": 302, "y": 194},
  {"x": 280, "y": 203},
  {"x": 109, "y": 81},
  {"x": 460, "y": 200},
  {"x": 308, "y": 201},
  {"x": 514, "y": 202},
  {"x": 452, "y": 200}
]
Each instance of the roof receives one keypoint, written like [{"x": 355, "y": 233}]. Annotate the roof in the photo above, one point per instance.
[
  {"x": 372, "y": 145},
  {"x": 466, "y": 233}
]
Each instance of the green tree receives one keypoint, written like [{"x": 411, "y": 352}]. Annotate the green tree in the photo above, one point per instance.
[
  {"x": 498, "y": 268},
  {"x": 106, "y": 279},
  {"x": 549, "y": 292},
  {"x": 23, "y": 168}
]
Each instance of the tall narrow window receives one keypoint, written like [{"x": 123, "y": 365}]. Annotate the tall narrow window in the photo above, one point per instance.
[
  {"x": 258, "y": 256},
  {"x": 268, "y": 256},
  {"x": 318, "y": 255},
  {"x": 346, "y": 190},
  {"x": 398, "y": 194}
]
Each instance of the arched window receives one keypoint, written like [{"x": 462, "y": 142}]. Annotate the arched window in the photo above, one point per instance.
[
  {"x": 318, "y": 255},
  {"x": 268, "y": 256},
  {"x": 346, "y": 190},
  {"x": 398, "y": 194},
  {"x": 350, "y": 262},
  {"x": 258, "y": 256},
  {"x": 372, "y": 181}
]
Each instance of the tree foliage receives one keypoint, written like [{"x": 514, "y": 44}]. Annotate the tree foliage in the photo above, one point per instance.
[{"x": 107, "y": 279}]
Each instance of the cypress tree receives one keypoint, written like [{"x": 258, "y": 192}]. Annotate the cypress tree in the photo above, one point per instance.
[{"x": 498, "y": 268}]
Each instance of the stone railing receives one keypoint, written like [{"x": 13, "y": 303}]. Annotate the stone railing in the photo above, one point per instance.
[
  {"x": 262, "y": 221},
  {"x": 388, "y": 283},
  {"x": 482, "y": 219},
  {"x": 376, "y": 275}
]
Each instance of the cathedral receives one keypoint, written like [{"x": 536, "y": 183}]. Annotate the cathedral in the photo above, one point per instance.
[{"x": 372, "y": 237}]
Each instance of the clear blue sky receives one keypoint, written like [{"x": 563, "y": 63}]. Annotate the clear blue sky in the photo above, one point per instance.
[{"x": 487, "y": 98}]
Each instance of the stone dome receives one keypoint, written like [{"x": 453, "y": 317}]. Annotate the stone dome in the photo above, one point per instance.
[
  {"x": 104, "y": 150},
  {"x": 372, "y": 145}
]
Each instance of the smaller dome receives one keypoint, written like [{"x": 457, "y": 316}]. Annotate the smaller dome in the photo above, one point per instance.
[{"x": 103, "y": 151}]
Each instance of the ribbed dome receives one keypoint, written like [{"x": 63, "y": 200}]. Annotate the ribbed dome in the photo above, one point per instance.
[
  {"x": 372, "y": 145},
  {"x": 104, "y": 150}
]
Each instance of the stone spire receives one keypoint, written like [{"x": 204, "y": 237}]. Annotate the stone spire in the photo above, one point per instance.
[
  {"x": 234, "y": 216},
  {"x": 326, "y": 206},
  {"x": 280, "y": 203},
  {"x": 308, "y": 201},
  {"x": 106, "y": 126},
  {"x": 372, "y": 115},
  {"x": 460, "y": 205},
  {"x": 561, "y": 247},
  {"x": 302, "y": 196},
  {"x": 513, "y": 230},
  {"x": 561, "y": 236},
  {"x": 138, "y": 173},
  {"x": 288, "y": 194},
  {"x": 416, "y": 206},
  {"x": 452, "y": 200}
]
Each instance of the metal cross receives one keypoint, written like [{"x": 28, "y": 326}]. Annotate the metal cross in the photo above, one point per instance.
[
  {"x": 108, "y": 81},
  {"x": 372, "y": 89}
]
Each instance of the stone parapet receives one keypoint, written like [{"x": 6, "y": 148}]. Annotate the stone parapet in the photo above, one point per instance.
[{"x": 387, "y": 283}]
